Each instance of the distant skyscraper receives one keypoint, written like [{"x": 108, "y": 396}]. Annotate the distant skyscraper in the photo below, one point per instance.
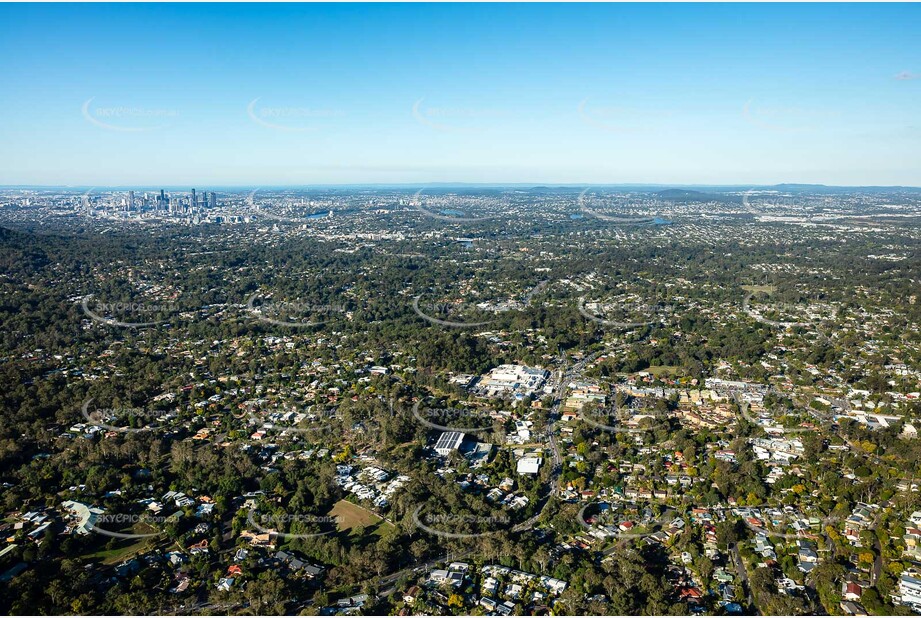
[
  {"x": 130, "y": 201},
  {"x": 193, "y": 202},
  {"x": 213, "y": 200},
  {"x": 161, "y": 201}
]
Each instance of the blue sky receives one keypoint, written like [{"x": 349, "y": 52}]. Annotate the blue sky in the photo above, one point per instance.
[{"x": 246, "y": 94}]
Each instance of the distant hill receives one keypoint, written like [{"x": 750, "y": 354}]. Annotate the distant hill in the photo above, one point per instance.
[{"x": 787, "y": 186}]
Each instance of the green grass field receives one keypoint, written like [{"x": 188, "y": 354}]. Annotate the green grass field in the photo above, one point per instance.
[
  {"x": 121, "y": 552},
  {"x": 350, "y": 516},
  {"x": 126, "y": 548}
]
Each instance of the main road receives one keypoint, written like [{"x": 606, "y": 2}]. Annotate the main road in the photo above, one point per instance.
[
  {"x": 566, "y": 376},
  {"x": 743, "y": 576}
]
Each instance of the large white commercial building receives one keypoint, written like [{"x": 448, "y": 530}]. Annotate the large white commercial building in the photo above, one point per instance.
[
  {"x": 529, "y": 465},
  {"x": 508, "y": 379},
  {"x": 448, "y": 442}
]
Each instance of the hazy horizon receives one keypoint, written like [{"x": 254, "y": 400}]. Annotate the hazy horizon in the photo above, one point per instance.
[{"x": 449, "y": 184}]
